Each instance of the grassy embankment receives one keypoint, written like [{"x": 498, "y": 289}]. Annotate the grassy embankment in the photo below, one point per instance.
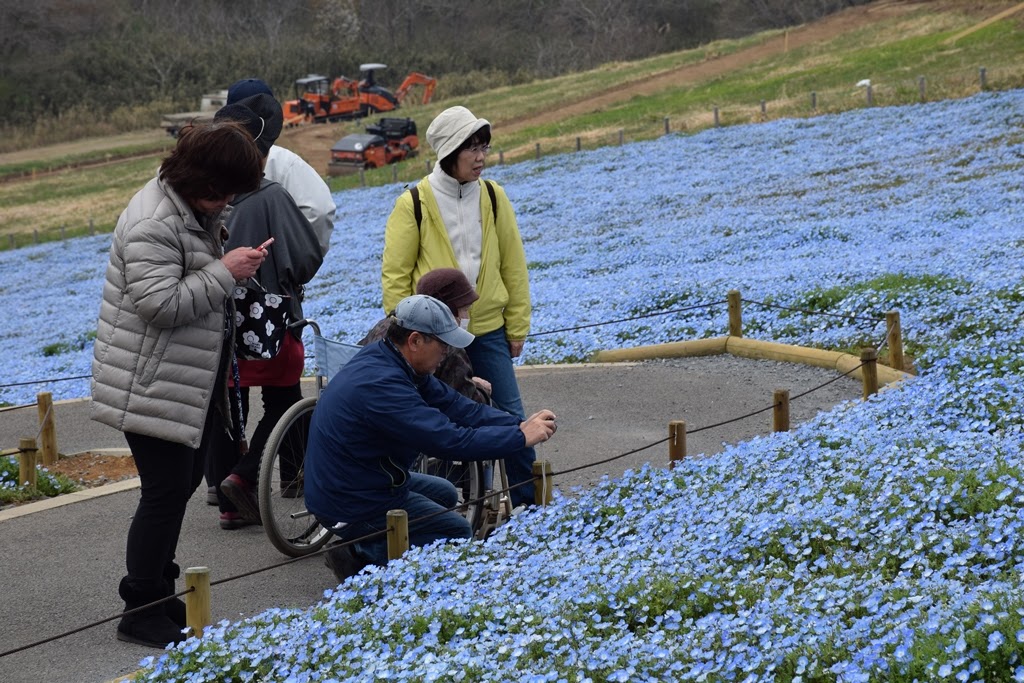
[{"x": 894, "y": 53}]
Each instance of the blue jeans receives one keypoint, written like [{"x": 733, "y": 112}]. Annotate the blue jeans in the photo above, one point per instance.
[
  {"x": 491, "y": 360},
  {"x": 427, "y": 495}
]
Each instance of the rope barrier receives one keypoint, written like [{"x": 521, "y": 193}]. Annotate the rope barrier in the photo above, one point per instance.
[
  {"x": 44, "y": 381},
  {"x": 42, "y": 421},
  {"x": 810, "y": 312},
  {"x": 623, "y": 320}
]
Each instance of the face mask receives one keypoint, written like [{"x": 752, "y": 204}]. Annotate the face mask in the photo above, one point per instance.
[{"x": 464, "y": 324}]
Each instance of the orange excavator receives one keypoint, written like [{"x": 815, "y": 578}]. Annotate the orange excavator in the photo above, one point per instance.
[{"x": 319, "y": 100}]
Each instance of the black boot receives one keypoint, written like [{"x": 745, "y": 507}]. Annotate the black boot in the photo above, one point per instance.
[
  {"x": 151, "y": 627},
  {"x": 175, "y": 607}
]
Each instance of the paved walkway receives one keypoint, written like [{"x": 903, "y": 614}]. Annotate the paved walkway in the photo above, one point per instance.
[{"x": 60, "y": 565}]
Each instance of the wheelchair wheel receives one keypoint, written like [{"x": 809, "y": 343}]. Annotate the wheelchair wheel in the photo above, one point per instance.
[
  {"x": 470, "y": 480},
  {"x": 292, "y": 530}
]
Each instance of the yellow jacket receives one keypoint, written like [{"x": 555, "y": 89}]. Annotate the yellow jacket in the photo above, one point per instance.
[{"x": 410, "y": 251}]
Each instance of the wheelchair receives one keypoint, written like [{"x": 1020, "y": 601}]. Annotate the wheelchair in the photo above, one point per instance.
[{"x": 482, "y": 485}]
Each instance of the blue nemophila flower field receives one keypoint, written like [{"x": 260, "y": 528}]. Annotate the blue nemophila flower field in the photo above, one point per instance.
[{"x": 881, "y": 541}]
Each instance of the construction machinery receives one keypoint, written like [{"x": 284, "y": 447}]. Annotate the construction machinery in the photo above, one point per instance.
[
  {"x": 388, "y": 141},
  {"x": 319, "y": 100}
]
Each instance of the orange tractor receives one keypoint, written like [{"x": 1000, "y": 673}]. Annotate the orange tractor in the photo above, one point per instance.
[
  {"x": 318, "y": 100},
  {"x": 388, "y": 141}
]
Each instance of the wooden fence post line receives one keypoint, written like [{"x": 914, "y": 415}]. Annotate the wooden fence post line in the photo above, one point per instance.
[
  {"x": 11, "y": 240},
  {"x": 981, "y": 77},
  {"x": 92, "y": 227},
  {"x": 542, "y": 494},
  {"x": 735, "y": 313},
  {"x": 398, "y": 533},
  {"x": 579, "y": 143},
  {"x": 428, "y": 165},
  {"x": 716, "y": 117},
  {"x": 394, "y": 173},
  {"x": 197, "y": 600},
  {"x": 869, "y": 357},
  {"x": 764, "y": 110},
  {"x": 870, "y": 95},
  {"x": 27, "y": 462},
  {"x": 63, "y": 232},
  {"x": 814, "y": 101},
  {"x": 362, "y": 177},
  {"x": 785, "y": 41},
  {"x": 35, "y": 236},
  {"x": 894, "y": 338},
  {"x": 47, "y": 427},
  {"x": 622, "y": 134},
  {"x": 676, "y": 442},
  {"x": 920, "y": 87},
  {"x": 538, "y": 150},
  {"x": 780, "y": 415},
  {"x": 501, "y": 157},
  {"x": 667, "y": 128}
]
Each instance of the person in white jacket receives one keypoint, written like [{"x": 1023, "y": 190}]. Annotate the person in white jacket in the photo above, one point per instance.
[{"x": 304, "y": 184}]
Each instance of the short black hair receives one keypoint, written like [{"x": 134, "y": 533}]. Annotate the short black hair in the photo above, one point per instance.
[
  {"x": 397, "y": 334},
  {"x": 481, "y": 137}
]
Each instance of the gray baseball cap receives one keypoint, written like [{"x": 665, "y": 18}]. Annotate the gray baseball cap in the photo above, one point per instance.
[{"x": 426, "y": 314}]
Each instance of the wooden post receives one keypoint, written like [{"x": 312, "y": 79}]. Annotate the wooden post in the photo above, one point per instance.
[
  {"x": 47, "y": 427},
  {"x": 501, "y": 157},
  {"x": 394, "y": 173},
  {"x": 362, "y": 177},
  {"x": 780, "y": 416},
  {"x": 920, "y": 87},
  {"x": 667, "y": 128},
  {"x": 398, "y": 533},
  {"x": 869, "y": 357},
  {"x": 428, "y": 165},
  {"x": 870, "y": 95},
  {"x": 814, "y": 101},
  {"x": 542, "y": 494},
  {"x": 92, "y": 227},
  {"x": 764, "y": 110},
  {"x": 35, "y": 236},
  {"x": 981, "y": 77},
  {"x": 27, "y": 463},
  {"x": 785, "y": 41},
  {"x": 894, "y": 338},
  {"x": 716, "y": 117},
  {"x": 197, "y": 600},
  {"x": 621, "y": 136},
  {"x": 735, "y": 313},
  {"x": 676, "y": 442},
  {"x": 538, "y": 150},
  {"x": 63, "y": 232},
  {"x": 579, "y": 143},
  {"x": 11, "y": 236}
]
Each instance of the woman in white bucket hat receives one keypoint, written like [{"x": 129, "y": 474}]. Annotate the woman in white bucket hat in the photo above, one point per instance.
[{"x": 453, "y": 219}]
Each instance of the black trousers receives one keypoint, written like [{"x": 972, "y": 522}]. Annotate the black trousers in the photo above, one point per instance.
[
  {"x": 224, "y": 456},
  {"x": 170, "y": 473}
]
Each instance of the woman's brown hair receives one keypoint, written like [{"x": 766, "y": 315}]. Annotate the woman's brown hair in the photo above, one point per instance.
[{"x": 212, "y": 161}]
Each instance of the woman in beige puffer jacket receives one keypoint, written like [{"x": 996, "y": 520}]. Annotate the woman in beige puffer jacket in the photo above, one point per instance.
[{"x": 159, "y": 360}]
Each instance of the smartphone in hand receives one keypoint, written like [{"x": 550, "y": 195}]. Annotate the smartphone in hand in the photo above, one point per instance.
[{"x": 266, "y": 244}]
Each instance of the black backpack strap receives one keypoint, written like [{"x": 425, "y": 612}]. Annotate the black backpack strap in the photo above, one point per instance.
[
  {"x": 416, "y": 208},
  {"x": 494, "y": 199}
]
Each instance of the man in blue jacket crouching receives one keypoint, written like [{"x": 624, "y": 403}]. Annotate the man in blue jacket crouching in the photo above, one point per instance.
[{"x": 377, "y": 415}]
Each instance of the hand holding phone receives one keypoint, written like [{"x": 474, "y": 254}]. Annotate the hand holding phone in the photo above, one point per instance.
[{"x": 266, "y": 244}]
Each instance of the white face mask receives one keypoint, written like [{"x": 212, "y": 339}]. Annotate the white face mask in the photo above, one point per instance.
[{"x": 464, "y": 324}]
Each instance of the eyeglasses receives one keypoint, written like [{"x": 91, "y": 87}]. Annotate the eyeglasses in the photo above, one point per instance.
[
  {"x": 440, "y": 341},
  {"x": 476, "y": 149}
]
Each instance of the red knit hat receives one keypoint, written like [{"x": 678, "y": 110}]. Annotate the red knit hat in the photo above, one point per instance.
[{"x": 449, "y": 286}]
